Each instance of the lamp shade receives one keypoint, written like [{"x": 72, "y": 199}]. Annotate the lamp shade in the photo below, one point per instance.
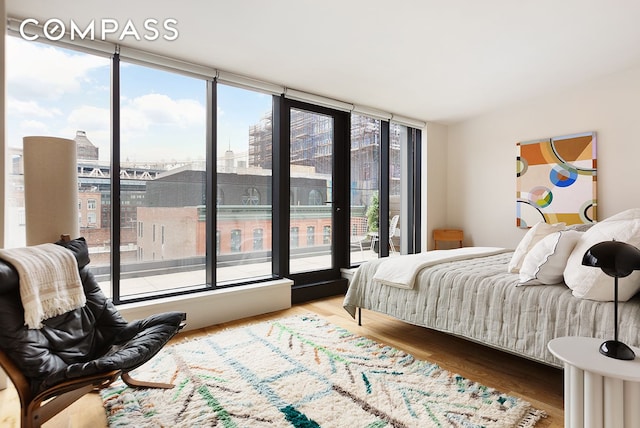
[
  {"x": 50, "y": 189},
  {"x": 615, "y": 258}
]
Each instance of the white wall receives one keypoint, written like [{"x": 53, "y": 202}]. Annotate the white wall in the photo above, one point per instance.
[
  {"x": 434, "y": 189},
  {"x": 480, "y": 155}
]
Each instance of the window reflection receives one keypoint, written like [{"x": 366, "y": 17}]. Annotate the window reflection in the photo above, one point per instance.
[
  {"x": 243, "y": 170},
  {"x": 162, "y": 179}
]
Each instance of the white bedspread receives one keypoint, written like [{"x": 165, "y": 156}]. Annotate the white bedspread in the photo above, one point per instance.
[
  {"x": 478, "y": 299},
  {"x": 402, "y": 271}
]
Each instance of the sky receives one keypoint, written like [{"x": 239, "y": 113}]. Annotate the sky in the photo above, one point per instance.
[{"x": 55, "y": 92}]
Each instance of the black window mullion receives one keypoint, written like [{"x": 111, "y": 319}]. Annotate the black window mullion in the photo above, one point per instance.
[
  {"x": 115, "y": 178},
  {"x": 408, "y": 241},
  {"x": 280, "y": 185},
  {"x": 383, "y": 173},
  {"x": 341, "y": 198},
  {"x": 211, "y": 184},
  {"x": 417, "y": 198}
]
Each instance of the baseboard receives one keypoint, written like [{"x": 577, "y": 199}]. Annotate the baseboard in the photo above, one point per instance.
[{"x": 305, "y": 293}]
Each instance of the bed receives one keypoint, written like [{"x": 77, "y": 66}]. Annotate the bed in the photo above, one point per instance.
[{"x": 478, "y": 295}]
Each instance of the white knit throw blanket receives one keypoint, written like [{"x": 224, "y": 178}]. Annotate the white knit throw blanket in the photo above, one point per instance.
[{"x": 50, "y": 283}]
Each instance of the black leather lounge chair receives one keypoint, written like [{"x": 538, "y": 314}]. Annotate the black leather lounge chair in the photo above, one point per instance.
[{"x": 76, "y": 352}]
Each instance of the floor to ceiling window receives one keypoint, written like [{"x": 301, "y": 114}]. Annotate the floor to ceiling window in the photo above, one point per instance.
[
  {"x": 176, "y": 174},
  {"x": 384, "y": 177},
  {"x": 364, "y": 187},
  {"x": 244, "y": 176},
  {"x": 398, "y": 144},
  {"x": 57, "y": 92},
  {"x": 162, "y": 180}
]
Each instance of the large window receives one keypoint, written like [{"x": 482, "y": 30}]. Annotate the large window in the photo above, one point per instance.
[
  {"x": 385, "y": 182},
  {"x": 61, "y": 93},
  {"x": 176, "y": 174},
  {"x": 162, "y": 179},
  {"x": 398, "y": 145},
  {"x": 244, "y": 182},
  {"x": 365, "y": 185}
]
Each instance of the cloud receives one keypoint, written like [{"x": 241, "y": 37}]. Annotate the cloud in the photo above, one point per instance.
[
  {"x": 89, "y": 117},
  {"x": 30, "y": 109},
  {"x": 150, "y": 125},
  {"x": 54, "y": 91},
  {"x": 42, "y": 71},
  {"x": 31, "y": 127},
  {"x": 157, "y": 110},
  {"x": 155, "y": 126}
]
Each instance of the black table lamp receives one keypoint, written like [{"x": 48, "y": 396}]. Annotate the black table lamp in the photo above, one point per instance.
[{"x": 617, "y": 259}]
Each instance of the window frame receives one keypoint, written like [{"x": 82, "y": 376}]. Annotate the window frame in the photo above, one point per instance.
[{"x": 280, "y": 180}]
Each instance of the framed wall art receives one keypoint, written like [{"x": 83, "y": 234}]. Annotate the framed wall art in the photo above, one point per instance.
[{"x": 556, "y": 180}]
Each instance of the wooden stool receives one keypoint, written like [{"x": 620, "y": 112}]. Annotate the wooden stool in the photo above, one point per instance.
[{"x": 447, "y": 235}]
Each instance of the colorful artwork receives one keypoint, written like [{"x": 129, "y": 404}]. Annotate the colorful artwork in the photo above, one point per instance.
[{"x": 556, "y": 180}]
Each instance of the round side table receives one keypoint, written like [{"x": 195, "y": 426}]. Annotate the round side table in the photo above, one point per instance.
[{"x": 599, "y": 391}]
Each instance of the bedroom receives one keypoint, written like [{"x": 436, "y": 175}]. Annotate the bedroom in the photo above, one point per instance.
[{"x": 457, "y": 155}]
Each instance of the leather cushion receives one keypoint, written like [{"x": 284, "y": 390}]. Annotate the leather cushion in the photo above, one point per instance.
[
  {"x": 150, "y": 335},
  {"x": 79, "y": 249}
]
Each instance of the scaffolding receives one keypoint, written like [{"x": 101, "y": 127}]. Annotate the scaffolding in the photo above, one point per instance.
[{"x": 311, "y": 137}]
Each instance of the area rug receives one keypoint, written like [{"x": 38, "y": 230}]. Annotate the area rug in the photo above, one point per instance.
[{"x": 304, "y": 372}]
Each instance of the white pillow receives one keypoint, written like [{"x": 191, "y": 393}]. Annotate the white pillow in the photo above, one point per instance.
[
  {"x": 531, "y": 238},
  {"x": 592, "y": 283},
  {"x": 545, "y": 262}
]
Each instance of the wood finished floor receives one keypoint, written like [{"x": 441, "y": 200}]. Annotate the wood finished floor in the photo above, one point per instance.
[{"x": 541, "y": 385}]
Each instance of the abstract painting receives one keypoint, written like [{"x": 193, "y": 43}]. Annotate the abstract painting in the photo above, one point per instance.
[{"x": 556, "y": 180}]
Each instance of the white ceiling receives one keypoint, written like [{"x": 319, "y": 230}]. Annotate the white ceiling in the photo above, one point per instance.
[{"x": 431, "y": 60}]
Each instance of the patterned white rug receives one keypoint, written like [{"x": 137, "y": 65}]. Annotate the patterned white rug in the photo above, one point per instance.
[{"x": 304, "y": 372}]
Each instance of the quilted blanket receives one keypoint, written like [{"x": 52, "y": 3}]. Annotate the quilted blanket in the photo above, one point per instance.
[
  {"x": 478, "y": 299},
  {"x": 402, "y": 271}
]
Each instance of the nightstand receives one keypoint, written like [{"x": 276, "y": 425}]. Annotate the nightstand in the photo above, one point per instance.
[
  {"x": 598, "y": 391},
  {"x": 447, "y": 235}
]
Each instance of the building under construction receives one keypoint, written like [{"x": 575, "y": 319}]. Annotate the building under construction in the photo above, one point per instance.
[{"x": 311, "y": 146}]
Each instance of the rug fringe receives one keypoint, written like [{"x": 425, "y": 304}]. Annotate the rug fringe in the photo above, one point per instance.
[{"x": 532, "y": 417}]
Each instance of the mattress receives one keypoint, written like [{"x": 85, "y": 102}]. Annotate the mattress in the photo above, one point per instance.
[{"x": 479, "y": 300}]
